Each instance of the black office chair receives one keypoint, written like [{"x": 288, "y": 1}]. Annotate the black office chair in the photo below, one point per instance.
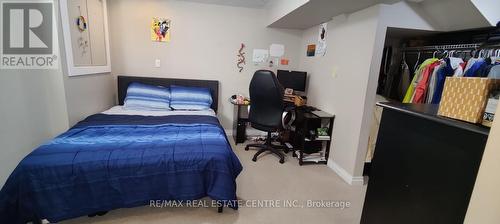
[{"x": 266, "y": 109}]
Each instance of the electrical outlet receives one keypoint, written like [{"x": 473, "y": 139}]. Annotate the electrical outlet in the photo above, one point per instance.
[{"x": 157, "y": 63}]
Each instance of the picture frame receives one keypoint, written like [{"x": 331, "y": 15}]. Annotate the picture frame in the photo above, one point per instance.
[{"x": 69, "y": 23}]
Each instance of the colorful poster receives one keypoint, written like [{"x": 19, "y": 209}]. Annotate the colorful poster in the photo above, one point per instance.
[
  {"x": 160, "y": 30},
  {"x": 321, "y": 47},
  {"x": 311, "y": 50}
]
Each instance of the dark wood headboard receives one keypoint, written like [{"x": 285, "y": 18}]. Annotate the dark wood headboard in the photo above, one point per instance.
[{"x": 124, "y": 81}]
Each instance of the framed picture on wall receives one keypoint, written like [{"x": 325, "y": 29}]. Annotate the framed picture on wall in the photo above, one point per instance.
[{"x": 86, "y": 37}]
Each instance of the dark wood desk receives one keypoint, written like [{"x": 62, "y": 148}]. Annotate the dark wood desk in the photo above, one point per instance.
[
  {"x": 300, "y": 138},
  {"x": 424, "y": 167}
]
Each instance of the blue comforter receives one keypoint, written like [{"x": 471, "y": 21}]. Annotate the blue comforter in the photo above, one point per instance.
[{"x": 114, "y": 161}]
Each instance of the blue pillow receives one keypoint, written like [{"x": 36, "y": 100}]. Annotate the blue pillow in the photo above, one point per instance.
[
  {"x": 190, "y": 98},
  {"x": 147, "y": 97}
]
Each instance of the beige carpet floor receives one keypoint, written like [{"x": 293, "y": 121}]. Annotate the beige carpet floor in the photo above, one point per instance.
[{"x": 265, "y": 179}]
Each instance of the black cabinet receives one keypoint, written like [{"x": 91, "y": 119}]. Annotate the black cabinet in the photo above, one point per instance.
[
  {"x": 240, "y": 120},
  {"x": 308, "y": 145},
  {"x": 424, "y": 167}
]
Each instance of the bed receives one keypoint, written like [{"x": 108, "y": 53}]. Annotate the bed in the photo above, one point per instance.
[{"x": 119, "y": 159}]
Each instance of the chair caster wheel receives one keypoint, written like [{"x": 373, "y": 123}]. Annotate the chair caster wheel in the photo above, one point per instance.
[
  {"x": 282, "y": 161},
  {"x": 246, "y": 148},
  {"x": 254, "y": 159}
]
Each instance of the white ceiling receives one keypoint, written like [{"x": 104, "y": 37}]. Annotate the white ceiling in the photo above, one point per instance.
[
  {"x": 447, "y": 14},
  {"x": 318, "y": 11},
  {"x": 451, "y": 15},
  {"x": 237, "y": 3}
]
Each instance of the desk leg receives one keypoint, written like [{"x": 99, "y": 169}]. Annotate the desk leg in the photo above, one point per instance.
[{"x": 301, "y": 162}]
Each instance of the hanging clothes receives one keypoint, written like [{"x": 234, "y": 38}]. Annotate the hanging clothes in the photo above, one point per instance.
[
  {"x": 459, "y": 72},
  {"x": 473, "y": 69},
  {"x": 416, "y": 79},
  {"x": 494, "y": 72},
  {"x": 394, "y": 76},
  {"x": 470, "y": 63},
  {"x": 445, "y": 71},
  {"x": 455, "y": 62},
  {"x": 405, "y": 80},
  {"x": 384, "y": 70},
  {"x": 484, "y": 70},
  {"x": 422, "y": 86},
  {"x": 433, "y": 82}
]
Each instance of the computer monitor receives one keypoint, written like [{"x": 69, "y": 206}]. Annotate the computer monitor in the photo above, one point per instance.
[{"x": 293, "y": 79}]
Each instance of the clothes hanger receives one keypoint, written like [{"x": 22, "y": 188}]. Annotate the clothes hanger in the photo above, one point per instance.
[
  {"x": 473, "y": 53},
  {"x": 386, "y": 61},
  {"x": 481, "y": 53},
  {"x": 404, "y": 59},
  {"x": 465, "y": 55},
  {"x": 416, "y": 63},
  {"x": 445, "y": 54},
  {"x": 452, "y": 53}
]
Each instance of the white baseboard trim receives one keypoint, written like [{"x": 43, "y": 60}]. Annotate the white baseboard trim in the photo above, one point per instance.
[{"x": 348, "y": 178}]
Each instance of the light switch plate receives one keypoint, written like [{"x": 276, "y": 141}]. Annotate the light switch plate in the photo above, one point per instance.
[
  {"x": 157, "y": 63},
  {"x": 334, "y": 72}
]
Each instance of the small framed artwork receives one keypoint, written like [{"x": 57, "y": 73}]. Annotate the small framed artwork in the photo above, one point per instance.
[
  {"x": 160, "y": 30},
  {"x": 86, "y": 38},
  {"x": 311, "y": 50}
]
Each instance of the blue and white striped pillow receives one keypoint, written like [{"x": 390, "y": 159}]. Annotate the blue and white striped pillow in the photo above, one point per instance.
[
  {"x": 190, "y": 98},
  {"x": 147, "y": 97}
]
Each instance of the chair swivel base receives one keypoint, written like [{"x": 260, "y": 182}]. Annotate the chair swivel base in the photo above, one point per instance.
[{"x": 267, "y": 147}]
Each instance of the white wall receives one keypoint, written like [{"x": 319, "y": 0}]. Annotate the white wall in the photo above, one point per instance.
[
  {"x": 33, "y": 110},
  {"x": 338, "y": 80},
  {"x": 87, "y": 95},
  {"x": 399, "y": 15},
  {"x": 485, "y": 201},
  {"x": 204, "y": 43},
  {"x": 37, "y": 105},
  {"x": 344, "y": 81}
]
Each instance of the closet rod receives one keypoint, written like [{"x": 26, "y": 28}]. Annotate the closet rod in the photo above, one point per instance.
[{"x": 443, "y": 47}]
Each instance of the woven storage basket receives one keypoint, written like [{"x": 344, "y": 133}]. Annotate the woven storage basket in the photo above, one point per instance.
[{"x": 465, "y": 98}]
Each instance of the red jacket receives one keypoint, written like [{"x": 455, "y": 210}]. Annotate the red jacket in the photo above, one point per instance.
[{"x": 422, "y": 86}]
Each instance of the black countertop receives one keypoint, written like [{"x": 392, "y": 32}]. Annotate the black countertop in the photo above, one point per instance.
[{"x": 429, "y": 111}]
